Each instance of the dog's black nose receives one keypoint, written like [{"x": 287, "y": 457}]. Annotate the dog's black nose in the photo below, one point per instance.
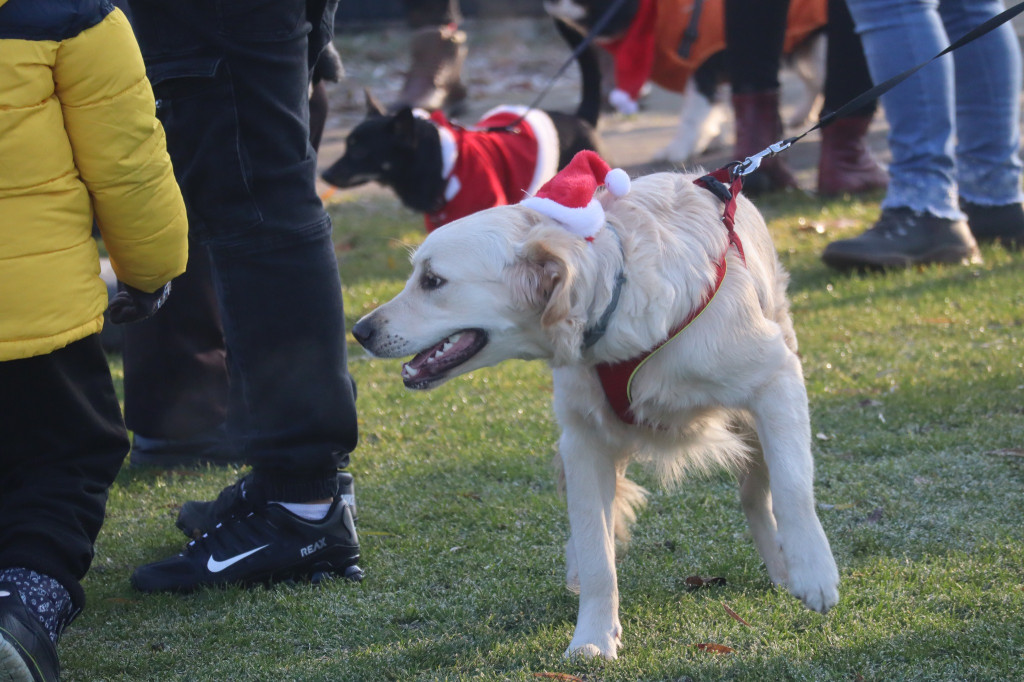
[{"x": 363, "y": 331}]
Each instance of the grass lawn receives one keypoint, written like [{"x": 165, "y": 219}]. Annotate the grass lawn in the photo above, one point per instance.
[{"x": 916, "y": 383}]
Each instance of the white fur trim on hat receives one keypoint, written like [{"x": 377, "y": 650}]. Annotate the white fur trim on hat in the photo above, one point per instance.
[{"x": 585, "y": 222}]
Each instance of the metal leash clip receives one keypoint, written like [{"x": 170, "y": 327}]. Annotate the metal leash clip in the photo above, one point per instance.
[{"x": 752, "y": 163}]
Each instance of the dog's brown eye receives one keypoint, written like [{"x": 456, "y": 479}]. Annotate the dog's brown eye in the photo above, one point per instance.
[{"x": 430, "y": 281}]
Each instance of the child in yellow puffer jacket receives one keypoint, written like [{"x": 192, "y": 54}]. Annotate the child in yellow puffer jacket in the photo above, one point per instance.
[{"x": 79, "y": 141}]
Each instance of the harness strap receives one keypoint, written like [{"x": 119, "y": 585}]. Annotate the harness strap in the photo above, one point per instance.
[
  {"x": 617, "y": 378},
  {"x": 726, "y": 185}
]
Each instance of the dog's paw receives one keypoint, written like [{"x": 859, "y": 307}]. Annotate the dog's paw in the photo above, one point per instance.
[
  {"x": 594, "y": 642},
  {"x": 815, "y": 583},
  {"x": 588, "y": 651},
  {"x": 608, "y": 650}
]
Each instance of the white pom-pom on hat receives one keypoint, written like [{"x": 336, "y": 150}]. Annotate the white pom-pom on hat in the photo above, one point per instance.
[
  {"x": 617, "y": 182},
  {"x": 569, "y": 196}
]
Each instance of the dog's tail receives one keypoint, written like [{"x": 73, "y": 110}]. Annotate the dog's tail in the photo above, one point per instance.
[
  {"x": 590, "y": 73},
  {"x": 628, "y": 498}
]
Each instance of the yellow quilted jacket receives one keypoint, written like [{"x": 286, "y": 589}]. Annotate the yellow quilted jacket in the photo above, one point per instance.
[{"x": 79, "y": 140}]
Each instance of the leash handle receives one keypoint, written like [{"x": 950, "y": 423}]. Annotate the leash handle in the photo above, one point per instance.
[{"x": 752, "y": 163}]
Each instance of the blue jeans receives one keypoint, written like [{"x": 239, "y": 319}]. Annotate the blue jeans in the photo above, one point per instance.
[
  {"x": 954, "y": 125},
  {"x": 231, "y": 79}
]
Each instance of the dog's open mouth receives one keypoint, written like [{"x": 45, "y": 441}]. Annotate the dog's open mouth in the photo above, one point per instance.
[{"x": 435, "y": 363}]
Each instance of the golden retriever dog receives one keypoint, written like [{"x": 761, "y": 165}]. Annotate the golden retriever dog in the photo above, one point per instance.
[{"x": 728, "y": 391}]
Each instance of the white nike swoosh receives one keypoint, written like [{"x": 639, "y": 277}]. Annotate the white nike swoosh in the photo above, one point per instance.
[{"x": 214, "y": 566}]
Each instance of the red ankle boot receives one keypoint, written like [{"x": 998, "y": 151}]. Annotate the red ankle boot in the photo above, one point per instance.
[
  {"x": 846, "y": 165},
  {"x": 758, "y": 125}
]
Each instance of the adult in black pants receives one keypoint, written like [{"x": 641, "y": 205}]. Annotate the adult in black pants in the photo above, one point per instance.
[
  {"x": 175, "y": 365},
  {"x": 755, "y": 33},
  {"x": 232, "y": 79}
]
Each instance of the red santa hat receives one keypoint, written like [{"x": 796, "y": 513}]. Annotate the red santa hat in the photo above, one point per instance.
[{"x": 569, "y": 196}]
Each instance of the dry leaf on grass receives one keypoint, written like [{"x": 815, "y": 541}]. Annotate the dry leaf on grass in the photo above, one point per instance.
[
  {"x": 714, "y": 648},
  {"x": 565, "y": 677},
  {"x": 695, "y": 582},
  {"x": 735, "y": 616}
]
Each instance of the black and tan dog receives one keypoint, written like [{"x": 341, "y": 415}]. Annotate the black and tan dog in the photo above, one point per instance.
[{"x": 448, "y": 171}]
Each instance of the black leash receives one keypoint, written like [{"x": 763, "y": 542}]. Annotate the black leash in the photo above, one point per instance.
[
  {"x": 587, "y": 40},
  {"x": 751, "y": 163}
]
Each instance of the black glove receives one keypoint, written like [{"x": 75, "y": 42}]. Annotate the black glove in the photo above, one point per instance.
[{"x": 132, "y": 305}]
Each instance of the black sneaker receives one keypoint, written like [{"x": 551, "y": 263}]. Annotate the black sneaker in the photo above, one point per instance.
[
  {"x": 196, "y": 517},
  {"x": 901, "y": 238},
  {"x": 268, "y": 545},
  {"x": 27, "y": 653},
  {"x": 1003, "y": 224}
]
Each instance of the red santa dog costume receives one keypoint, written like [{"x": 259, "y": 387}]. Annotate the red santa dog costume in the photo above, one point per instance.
[
  {"x": 649, "y": 50},
  {"x": 485, "y": 168}
]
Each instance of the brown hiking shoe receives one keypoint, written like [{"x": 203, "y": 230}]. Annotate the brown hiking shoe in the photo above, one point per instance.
[{"x": 902, "y": 238}]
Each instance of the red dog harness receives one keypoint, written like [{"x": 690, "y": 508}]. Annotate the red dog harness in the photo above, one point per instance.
[{"x": 617, "y": 378}]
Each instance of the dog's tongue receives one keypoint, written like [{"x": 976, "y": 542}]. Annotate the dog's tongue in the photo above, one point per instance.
[{"x": 449, "y": 352}]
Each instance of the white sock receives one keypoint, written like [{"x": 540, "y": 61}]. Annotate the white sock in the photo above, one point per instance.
[{"x": 310, "y": 512}]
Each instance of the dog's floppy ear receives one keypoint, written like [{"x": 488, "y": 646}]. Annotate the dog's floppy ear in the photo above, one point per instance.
[
  {"x": 543, "y": 281},
  {"x": 373, "y": 107}
]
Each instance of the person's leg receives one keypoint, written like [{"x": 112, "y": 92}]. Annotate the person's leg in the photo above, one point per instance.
[
  {"x": 278, "y": 280},
  {"x": 846, "y": 165},
  {"x": 988, "y": 78},
  {"x": 239, "y": 137},
  {"x": 846, "y": 67},
  {"x": 437, "y": 51},
  {"x": 755, "y": 31},
  {"x": 239, "y": 141},
  {"x": 897, "y": 35},
  {"x": 921, "y": 221},
  {"x": 63, "y": 445},
  {"x": 176, "y": 378}
]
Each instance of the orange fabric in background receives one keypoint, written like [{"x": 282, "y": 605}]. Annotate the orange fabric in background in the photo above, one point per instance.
[{"x": 671, "y": 17}]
